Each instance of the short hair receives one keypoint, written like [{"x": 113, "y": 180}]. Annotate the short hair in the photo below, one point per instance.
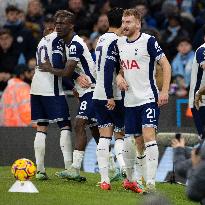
[
  {"x": 132, "y": 12},
  {"x": 11, "y": 8},
  {"x": 184, "y": 39},
  {"x": 115, "y": 17},
  {"x": 4, "y": 31},
  {"x": 65, "y": 14},
  {"x": 49, "y": 19}
]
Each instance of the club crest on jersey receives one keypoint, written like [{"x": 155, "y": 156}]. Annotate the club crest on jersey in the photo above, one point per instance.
[
  {"x": 129, "y": 64},
  {"x": 72, "y": 49}
]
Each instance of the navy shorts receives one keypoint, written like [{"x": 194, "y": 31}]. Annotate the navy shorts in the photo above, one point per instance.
[
  {"x": 49, "y": 108},
  {"x": 106, "y": 118},
  {"x": 85, "y": 110},
  {"x": 139, "y": 117}
]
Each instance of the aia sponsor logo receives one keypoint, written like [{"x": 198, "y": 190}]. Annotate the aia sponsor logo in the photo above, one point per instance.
[{"x": 129, "y": 64}]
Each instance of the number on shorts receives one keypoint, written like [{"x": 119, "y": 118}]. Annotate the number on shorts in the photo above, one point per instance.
[
  {"x": 83, "y": 105},
  {"x": 150, "y": 113}
]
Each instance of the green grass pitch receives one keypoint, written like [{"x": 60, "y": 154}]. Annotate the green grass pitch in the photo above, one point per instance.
[{"x": 61, "y": 192}]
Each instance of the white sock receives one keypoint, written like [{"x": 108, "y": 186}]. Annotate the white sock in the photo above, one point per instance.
[
  {"x": 39, "y": 148},
  {"x": 140, "y": 166},
  {"x": 77, "y": 159},
  {"x": 66, "y": 147},
  {"x": 152, "y": 154},
  {"x": 103, "y": 158},
  {"x": 118, "y": 147},
  {"x": 129, "y": 155}
]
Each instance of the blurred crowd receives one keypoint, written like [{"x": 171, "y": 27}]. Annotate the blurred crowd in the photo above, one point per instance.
[{"x": 178, "y": 25}]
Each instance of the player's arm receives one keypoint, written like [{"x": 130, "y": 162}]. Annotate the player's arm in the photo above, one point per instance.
[
  {"x": 164, "y": 94},
  {"x": 60, "y": 69},
  {"x": 200, "y": 57},
  {"x": 157, "y": 54},
  {"x": 111, "y": 62},
  {"x": 198, "y": 97}
]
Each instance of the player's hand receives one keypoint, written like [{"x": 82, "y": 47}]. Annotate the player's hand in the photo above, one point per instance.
[
  {"x": 195, "y": 158},
  {"x": 46, "y": 67},
  {"x": 75, "y": 93},
  {"x": 178, "y": 143},
  {"x": 197, "y": 100},
  {"x": 163, "y": 98},
  {"x": 110, "y": 104},
  {"x": 121, "y": 83},
  {"x": 83, "y": 81}
]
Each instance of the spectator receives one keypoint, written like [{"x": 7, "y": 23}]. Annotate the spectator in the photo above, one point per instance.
[
  {"x": 182, "y": 65},
  {"x": 21, "y": 4},
  {"x": 83, "y": 21},
  {"x": 192, "y": 167},
  {"x": 35, "y": 18},
  {"x": 51, "y": 6},
  {"x": 15, "y": 101},
  {"x": 8, "y": 57},
  {"x": 23, "y": 39},
  {"x": 147, "y": 20},
  {"x": 196, "y": 175},
  {"x": 101, "y": 27},
  {"x": 172, "y": 34},
  {"x": 183, "y": 5}
]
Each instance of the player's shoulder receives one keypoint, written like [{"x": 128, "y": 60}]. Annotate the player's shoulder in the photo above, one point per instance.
[
  {"x": 107, "y": 39},
  {"x": 121, "y": 40},
  {"x": 201, "y": 48},
  {"x": 53, "y": 38},
  {"x": 77, "y": 40}
]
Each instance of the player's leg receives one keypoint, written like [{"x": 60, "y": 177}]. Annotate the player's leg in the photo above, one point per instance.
[
  {"x": 197, "y": 117},
  {"x": 66, "y": 142},
  {"x": 38, "y": 115},
  {"x": 106, "y": 131},
  {"x": 57, "y": 111},
  {"x": 150, "y": 117},
  {"x": 95, "y": 133},
  {"x": 202, "y": 120},
  {"x": 118, "y": 119},
  {"x": 80, "y": 144},
  {"x": 39, "y": 148},
  {"x": 81, "y": 123},
  {"x": 132, "y": 118},
  {"x": 140, "y": 164}
]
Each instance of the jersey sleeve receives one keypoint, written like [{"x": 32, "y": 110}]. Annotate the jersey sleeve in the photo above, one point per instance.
[
  {"x": 75, "y": 51},
  {"x": 58, "y": 53},
  {"x": 111, "y": 63},
  {"x": 154, "y": 49},
  {"x": 200, "y": 56}
]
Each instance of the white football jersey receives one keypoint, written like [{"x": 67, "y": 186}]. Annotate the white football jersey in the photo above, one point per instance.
[
  {"x": 197, "y": 75},
  {"x": 106, "y": 63},
  {"x": 77, "y": 50},
  {"x": 138, "y": 61},
  {"x": 45, "y": 83}
]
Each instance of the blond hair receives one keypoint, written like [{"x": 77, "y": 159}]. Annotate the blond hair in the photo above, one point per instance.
[{"x": 132, "y": 12}]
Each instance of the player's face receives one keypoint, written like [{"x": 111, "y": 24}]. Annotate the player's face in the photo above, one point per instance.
[
  {"x": 63, "y": 26},
  {"x": 130, "y": 25},
  {"x": 48, "y": 28}
]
